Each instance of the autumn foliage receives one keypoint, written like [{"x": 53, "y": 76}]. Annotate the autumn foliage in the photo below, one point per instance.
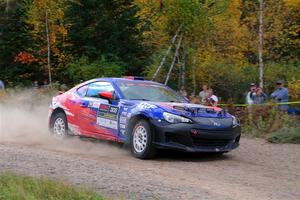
[
  {"x": 91, "y": 38},
  {"x": 25, "y": 58}
]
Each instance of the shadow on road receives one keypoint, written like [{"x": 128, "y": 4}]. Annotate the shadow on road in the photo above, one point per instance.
[{"x": 172, "y": 155}]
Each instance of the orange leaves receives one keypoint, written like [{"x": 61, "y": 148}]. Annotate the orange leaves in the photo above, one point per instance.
[{"x": 25, "y": 58}]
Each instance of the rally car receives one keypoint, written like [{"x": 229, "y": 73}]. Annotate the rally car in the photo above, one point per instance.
[{"x": 143, "y": 114}]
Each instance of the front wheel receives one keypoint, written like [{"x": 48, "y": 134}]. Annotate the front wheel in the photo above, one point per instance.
[
  {"x": 141, "y": 141},
  {"x": 59, "y": 125}
]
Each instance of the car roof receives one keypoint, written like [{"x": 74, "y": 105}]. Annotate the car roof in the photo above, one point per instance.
[{"x": 113, "y": 79}]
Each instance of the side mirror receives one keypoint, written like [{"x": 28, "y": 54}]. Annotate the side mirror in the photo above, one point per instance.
[{"x": 106, "y": 95}]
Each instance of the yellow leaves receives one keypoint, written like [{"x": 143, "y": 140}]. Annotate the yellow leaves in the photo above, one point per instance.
[
  {"x": 292, "y": 3},
  {"x": 37, "y": 20},
  {"x": 294, "y": 89}
]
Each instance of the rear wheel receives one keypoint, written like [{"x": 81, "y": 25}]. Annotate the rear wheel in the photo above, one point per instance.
[
  {"x": 141, "y": 141},
  {"x": 59, "y": 125}
]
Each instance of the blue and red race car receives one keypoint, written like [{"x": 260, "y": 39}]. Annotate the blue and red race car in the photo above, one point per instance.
[{"x": 144, "y": 114}]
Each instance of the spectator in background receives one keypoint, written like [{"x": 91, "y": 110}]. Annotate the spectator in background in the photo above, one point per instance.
[
  {"x": 2, "y": 86},
  {"x": 281, "y": 95},
  {"x": 184, "y": 94},
  {"x": 212, "y": 100},
  {"x": 203, "y": 95},
  {"x": 35, "y": 84},
  {"x": 45, "y": 84},
  {"x": 259, "y": 97},
  {"x": 252, "y": 90}
]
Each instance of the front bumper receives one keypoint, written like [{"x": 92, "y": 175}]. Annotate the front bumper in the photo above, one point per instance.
[{"x": 194, "y": 137}]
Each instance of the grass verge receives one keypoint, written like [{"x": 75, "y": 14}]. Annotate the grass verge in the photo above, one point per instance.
[
  {"x": 286, "y": 135},
  {"x": 16, "y": 187}
]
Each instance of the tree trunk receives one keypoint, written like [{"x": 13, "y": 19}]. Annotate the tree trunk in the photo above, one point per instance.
[
  {"x": 179, "y": 72},
  {"x": 166, "y": 54},
  {"x": 7, "y": 8},
  {"x": 183, "y": 67},
  {"x": 174, "y": 59},
  {"x": 260, "y": 44},
  {"x": 194, "y": 77},
  {"x": 48, "y": 47}
]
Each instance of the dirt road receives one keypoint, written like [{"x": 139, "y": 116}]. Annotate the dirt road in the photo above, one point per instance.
[{"x": 257, "y": 170}]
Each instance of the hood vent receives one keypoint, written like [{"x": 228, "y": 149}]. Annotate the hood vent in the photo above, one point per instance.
[{"x": 199, "y": 110}]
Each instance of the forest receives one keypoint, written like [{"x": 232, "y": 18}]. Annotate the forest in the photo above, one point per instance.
[{"x": 195, "y": 42}]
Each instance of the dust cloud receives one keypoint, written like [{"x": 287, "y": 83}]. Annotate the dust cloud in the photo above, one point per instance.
[{"x": 24, "y": 121}]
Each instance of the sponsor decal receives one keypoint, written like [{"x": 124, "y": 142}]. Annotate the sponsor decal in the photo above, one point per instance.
[
  {"x": 94, "y": 105},
  {"x": 103, "y": 107},
  {"x": 124, "y": 114},
  {"x": 215, "y": 123},
  {"x": 108, "y": 116},
  {"x": 91, "y": 103},
  {"x": 146, "y": 106},
  {"x": 113, "y": 110},
  {"x": 123, "y": 120},
  {"x": 122, "y": 126},
  {"x": 107, "y": 123}
]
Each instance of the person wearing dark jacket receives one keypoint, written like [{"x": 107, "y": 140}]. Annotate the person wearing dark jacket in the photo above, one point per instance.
[{"x": 281, "y": 95}]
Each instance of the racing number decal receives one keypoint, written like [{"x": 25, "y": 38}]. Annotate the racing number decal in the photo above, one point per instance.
[
  {"x": 108, "y": 116},
  {"x": 113, "y": 110}
]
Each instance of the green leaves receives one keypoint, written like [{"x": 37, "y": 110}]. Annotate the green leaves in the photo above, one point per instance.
[
  {"x": 105, "y": 27},
  {"x": 83, "y": 69}
]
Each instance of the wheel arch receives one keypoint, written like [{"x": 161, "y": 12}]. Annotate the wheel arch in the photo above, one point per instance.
[
  {"x": 132, "y": 121},
  {"x": 54, "y": 112}
]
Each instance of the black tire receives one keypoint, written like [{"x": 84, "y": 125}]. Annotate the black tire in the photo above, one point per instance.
[
  {"x": 148, "y": 150},
  {"x": 59, "y": 119}
]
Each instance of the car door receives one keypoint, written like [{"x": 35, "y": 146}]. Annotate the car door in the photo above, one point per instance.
[{"x": 99, "y": 117}]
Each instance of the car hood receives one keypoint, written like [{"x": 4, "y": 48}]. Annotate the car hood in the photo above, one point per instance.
[
  {"x": 192, "y": 110},
  {"x": 207, "y": 116}
]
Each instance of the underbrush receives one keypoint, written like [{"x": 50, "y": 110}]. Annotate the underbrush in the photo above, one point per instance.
[
  {"x": 289, "y": 134},
  {"x": 15, "y": 187},
  {"x": 270, "y": 123}
]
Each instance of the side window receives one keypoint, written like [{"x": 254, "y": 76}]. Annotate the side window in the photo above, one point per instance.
[
  {"x": 82, "y": 90},
  {"x": 96, "y": 87}
]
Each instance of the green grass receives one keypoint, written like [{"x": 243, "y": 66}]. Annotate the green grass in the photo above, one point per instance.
[
  {"x": 16, "y": 187},
  {"x": 286, "y": 135}
]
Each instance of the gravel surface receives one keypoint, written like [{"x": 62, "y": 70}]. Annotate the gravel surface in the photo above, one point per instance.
[{"x": 256, "y": 170}]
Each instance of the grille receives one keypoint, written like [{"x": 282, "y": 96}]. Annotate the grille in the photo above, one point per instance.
[
  {"x": 224, "y": 122},
  {"x": 181, "y": 139},
  {"x": 217, "y": 131},
  {"x": 210, "y": 142}
]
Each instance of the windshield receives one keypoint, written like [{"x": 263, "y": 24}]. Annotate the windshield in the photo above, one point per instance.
[{"x": 139, "y": 90}]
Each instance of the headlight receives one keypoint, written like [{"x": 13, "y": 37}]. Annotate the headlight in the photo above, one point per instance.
[
  {"x": 235, "y": 121},
  {"x": 171, "y": 118}
]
